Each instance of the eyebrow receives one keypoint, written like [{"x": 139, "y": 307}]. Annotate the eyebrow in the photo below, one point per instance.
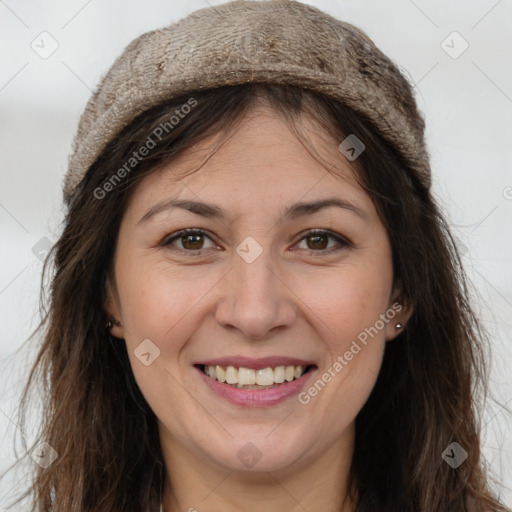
[{"x": 212, "y": 211}]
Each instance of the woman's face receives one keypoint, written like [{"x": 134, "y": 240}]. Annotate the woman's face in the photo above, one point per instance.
[{"x": 254, "y": 290}]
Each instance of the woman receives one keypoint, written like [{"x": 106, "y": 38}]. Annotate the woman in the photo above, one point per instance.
[{"x": 256, "y": 304}]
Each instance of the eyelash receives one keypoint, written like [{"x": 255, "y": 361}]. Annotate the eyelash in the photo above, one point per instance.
[{"x": 343, "y": 242}]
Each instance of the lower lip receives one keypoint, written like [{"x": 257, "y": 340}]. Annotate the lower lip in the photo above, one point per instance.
[{"x": 256, "y": 397}]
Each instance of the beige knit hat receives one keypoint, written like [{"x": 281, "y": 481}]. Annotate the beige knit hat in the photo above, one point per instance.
[{"x": 278, "y": 42}]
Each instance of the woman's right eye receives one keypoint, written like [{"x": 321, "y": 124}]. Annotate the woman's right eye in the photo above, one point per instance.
[{"x": 192, "y": 240}]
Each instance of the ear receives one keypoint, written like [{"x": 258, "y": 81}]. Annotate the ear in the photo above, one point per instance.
[
  {"x": 112, "y": 310},
  {"x": 399, "y": 312}
]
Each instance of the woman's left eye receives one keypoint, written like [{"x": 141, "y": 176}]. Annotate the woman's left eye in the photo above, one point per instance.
[
  {"x": 317, "y": 240},
  {"x": 192, "y": 241}
]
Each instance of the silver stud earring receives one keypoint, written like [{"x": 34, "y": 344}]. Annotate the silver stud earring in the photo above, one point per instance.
[
  {"x": 111, "y": 323},
  {"x": 399, "y": 325}
]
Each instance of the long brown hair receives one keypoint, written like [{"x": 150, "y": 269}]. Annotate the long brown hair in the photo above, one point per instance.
[{"x": 430, "y": 390}]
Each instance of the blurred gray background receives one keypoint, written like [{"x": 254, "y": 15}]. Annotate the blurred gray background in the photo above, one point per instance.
[{"x": 457, "y": 53}]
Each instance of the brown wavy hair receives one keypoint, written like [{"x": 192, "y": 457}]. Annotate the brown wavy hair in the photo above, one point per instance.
[{"x": 430, "y": 392}]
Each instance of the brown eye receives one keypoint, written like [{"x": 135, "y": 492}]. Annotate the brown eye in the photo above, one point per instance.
[
  {"x": 191, "y": 240},
  {"x": 318, "y": 241}
]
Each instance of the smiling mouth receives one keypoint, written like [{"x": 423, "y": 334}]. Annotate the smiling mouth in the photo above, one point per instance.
[{"x": 248, "y": 378}]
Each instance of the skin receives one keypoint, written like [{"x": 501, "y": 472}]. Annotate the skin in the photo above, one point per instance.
[{"x": 299, "y": 298}]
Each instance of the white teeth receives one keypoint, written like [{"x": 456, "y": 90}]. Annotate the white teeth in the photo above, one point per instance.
[
  {"x": 248, "y": 377},
  {"x": 231, "y": 375},
  {"x": 279, "y": 375},
  {"x": 221, "y": 374},
  {"x": 265, "y": 377}
]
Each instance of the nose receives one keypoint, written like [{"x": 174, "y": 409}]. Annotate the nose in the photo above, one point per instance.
[{"x": 255, "y": 299}]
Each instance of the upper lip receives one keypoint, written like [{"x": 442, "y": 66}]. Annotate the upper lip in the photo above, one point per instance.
[{"x": 256, "y": 363}]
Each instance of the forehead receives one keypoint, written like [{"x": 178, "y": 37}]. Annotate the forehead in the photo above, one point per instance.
[{"x": 260, "y": 163}]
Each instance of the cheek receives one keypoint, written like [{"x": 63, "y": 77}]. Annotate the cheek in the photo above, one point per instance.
[
  {"x": 157, "y": 299},
  {"x": 346, "y": 310},
  {"x": 346, "y": 306},
  {"x": 158, "y": 305},
  {"x": 347, "y": 301}
]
